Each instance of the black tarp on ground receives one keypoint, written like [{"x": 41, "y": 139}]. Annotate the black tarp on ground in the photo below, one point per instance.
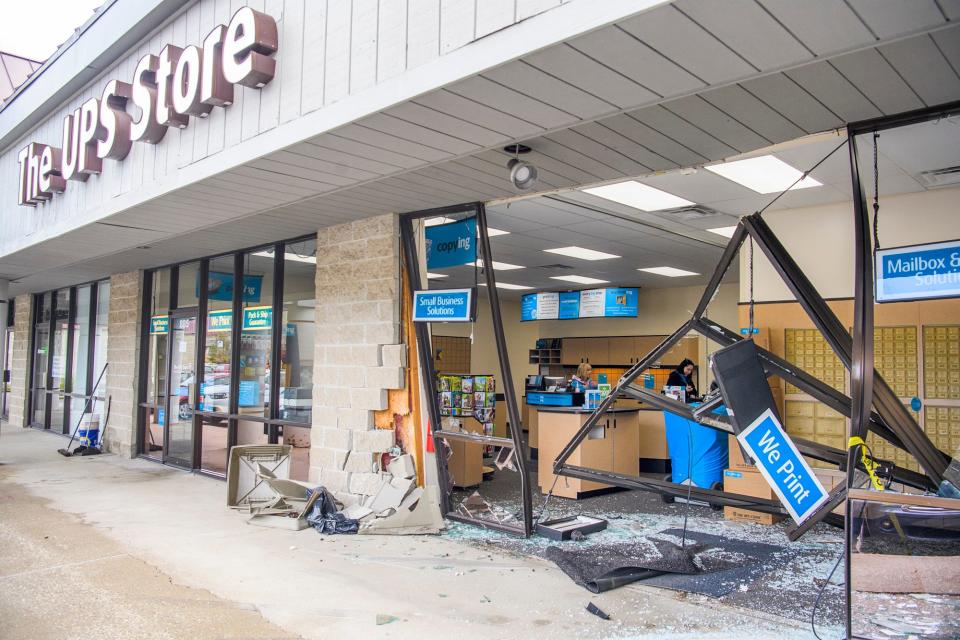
[{"x": 710, "y": 565}]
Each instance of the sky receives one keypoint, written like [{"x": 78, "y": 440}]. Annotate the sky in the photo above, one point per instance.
[{"x": 35, "y": 28}]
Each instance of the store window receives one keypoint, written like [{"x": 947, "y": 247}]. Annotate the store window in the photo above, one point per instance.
[
  {"x": 256, "y": 347},
  {"x": 255, "y": 374},
  {"x": 41, "y": 358},
  {"x": 100, "y": 334},
  {"x": 81, "y": 356},
  {"x": 215, "y": 390},
  {"x": 58, "y": 364},
  {"x": 153, "y": 409},
  {"x": 297, "y": 337},
  {"x": 69, "y": 352}
]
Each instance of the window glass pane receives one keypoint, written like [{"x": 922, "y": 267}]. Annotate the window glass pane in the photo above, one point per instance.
[
  {"x": 81, "y": 343},
  {"x": 100, "y": 347},
  {"x": 188, "y": 287},
  {"x": 41, "y": 352},
  {"x": 213, "y": 444},
  {"x": 299, "y": 439},
  {"x": 297, "y": 338},
  {"x": 59, "y": 364},
  {"x": 159, "y": 328},
  {"x": 215, "y": 390},
  {"x": 256, "y": 334}
]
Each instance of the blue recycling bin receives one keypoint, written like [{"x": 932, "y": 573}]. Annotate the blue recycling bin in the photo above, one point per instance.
[{"x": 707, "y": 447}]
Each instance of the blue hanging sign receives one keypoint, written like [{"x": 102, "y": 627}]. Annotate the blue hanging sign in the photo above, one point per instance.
[
  {"x": 159, "y": 325},
  {"x": 444, "y": 305},
  {"x": 784, "y": 469},
  {"x": 918, "y": 272},
  {"x": 449, "y": 245},
  {"x": 620, "y": 303},
  {"x": 569, "y": 305},
  {"x": 540, "y": 306},
  {"x": 220, "y": 286},
  {"x": 257, "y": 319}
]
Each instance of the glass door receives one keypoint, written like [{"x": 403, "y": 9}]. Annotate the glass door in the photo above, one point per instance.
[{"x": 179, "y": 434}]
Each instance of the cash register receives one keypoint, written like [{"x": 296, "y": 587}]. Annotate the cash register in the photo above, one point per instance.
[{"x": 552, "y": 391}]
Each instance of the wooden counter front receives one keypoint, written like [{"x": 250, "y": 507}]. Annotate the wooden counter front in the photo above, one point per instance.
[{"x": 613, "y": 445}]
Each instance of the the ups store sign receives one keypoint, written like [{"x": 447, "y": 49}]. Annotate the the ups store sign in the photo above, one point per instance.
[{"x": 166, "y": 90}]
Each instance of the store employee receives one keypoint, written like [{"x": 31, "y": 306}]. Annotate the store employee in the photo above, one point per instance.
[
  {"x": 583, "y": 377},
  {"x": 682, "y": 376}
]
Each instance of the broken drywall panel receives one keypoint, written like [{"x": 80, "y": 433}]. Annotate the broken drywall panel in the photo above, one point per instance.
[
  {"x": 388, "y": 497},
  {"x": 405, "y": 484},
  {"x": 418, "y": 514},
  {"x": 402, "y": 467},
  {"x": 357, "y": 512}
]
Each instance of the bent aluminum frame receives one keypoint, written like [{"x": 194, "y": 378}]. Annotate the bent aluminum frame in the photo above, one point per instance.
[
  {"x": 429, "y": 374},
  {"x": 891, "y": 421}
]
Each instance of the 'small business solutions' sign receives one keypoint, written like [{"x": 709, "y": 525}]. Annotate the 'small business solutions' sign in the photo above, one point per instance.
[{"x": 166, "y": 89}]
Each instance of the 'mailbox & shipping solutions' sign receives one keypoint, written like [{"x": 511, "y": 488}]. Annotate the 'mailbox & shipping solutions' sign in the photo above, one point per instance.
[
  {"x": 166, "y": 90},
  {"x": 919, "y": 272},
  {"x": 784, "y": 469}
]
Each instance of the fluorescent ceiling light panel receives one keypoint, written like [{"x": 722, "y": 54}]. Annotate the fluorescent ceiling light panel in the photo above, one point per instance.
[
  {"x": 764, "y": 174},
  {"x": 500, "y": 266},
  {"x": 670, "y": 272},
  {"x": 583, "y": 254},
  {"x": 507, "y": 285},
  {"x": 639, "y": 196},
  {"x": 433, "y": 222},
  {"x": 579, "y": 279},
  {"x": 436, "y": 276},
  {"x": 726, "y": 232}
]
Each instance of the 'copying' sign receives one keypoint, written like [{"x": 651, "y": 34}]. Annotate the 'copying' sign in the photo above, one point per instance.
[{"x": 785, "y": 470}]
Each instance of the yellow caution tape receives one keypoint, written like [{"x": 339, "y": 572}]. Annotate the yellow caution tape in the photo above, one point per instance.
[{"x": 868, "y": 463}]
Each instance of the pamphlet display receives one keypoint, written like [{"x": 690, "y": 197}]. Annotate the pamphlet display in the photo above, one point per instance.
[
  {"x": 468, "y": 396},
  {"x": 620, "y": 302}
]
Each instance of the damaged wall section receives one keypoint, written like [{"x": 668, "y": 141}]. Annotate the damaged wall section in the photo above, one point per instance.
[{"x": 359, "y": 356}]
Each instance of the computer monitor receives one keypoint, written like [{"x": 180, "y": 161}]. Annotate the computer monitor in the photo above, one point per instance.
[
  {"x": 534, "y": 382},
  {"x": 554, "y": 382}
]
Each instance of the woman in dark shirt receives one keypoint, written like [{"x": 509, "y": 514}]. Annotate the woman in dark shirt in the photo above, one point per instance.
[{"x": 682, "y": 376}]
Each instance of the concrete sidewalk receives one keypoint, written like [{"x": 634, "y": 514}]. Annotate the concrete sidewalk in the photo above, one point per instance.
[{"x": 161, "y": 552}]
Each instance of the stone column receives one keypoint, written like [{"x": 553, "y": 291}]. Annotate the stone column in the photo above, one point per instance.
[
  {"x": 21, "y": 362},
  {"x": 358, "y": 355},
  {"x": 123, "y": 342}
]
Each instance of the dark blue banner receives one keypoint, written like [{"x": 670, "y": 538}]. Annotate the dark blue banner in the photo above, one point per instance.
[
  {"x": 449, "y": 245},
  {"x": 220, "y": 286}
]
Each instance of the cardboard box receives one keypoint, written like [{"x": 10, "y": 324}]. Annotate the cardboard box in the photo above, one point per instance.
[
  {"x": 748, "y": 483},
  {"x": 744, "y": 515},
  {"x": 735, "y": 459}
]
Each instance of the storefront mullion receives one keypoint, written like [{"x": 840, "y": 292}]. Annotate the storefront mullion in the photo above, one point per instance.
[
  {"x": 275, "y": 340},
  {"x": 65, "y": 398},
  {"x": 237, "y": 301}
]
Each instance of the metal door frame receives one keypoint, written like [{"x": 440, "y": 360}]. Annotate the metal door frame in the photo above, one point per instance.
[
  {"x": 175, "y": 315},
  {"x": 515, "y": 440}
]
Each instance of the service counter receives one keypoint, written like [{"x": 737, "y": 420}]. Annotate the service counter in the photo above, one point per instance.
[{"x": 612, "y": 445}]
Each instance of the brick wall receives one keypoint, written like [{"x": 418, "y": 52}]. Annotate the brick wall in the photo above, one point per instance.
[
  {"x": 122, "y": 353},
  {"x": 357, "y": 355},
  {"x": 20, "y": 363}
]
